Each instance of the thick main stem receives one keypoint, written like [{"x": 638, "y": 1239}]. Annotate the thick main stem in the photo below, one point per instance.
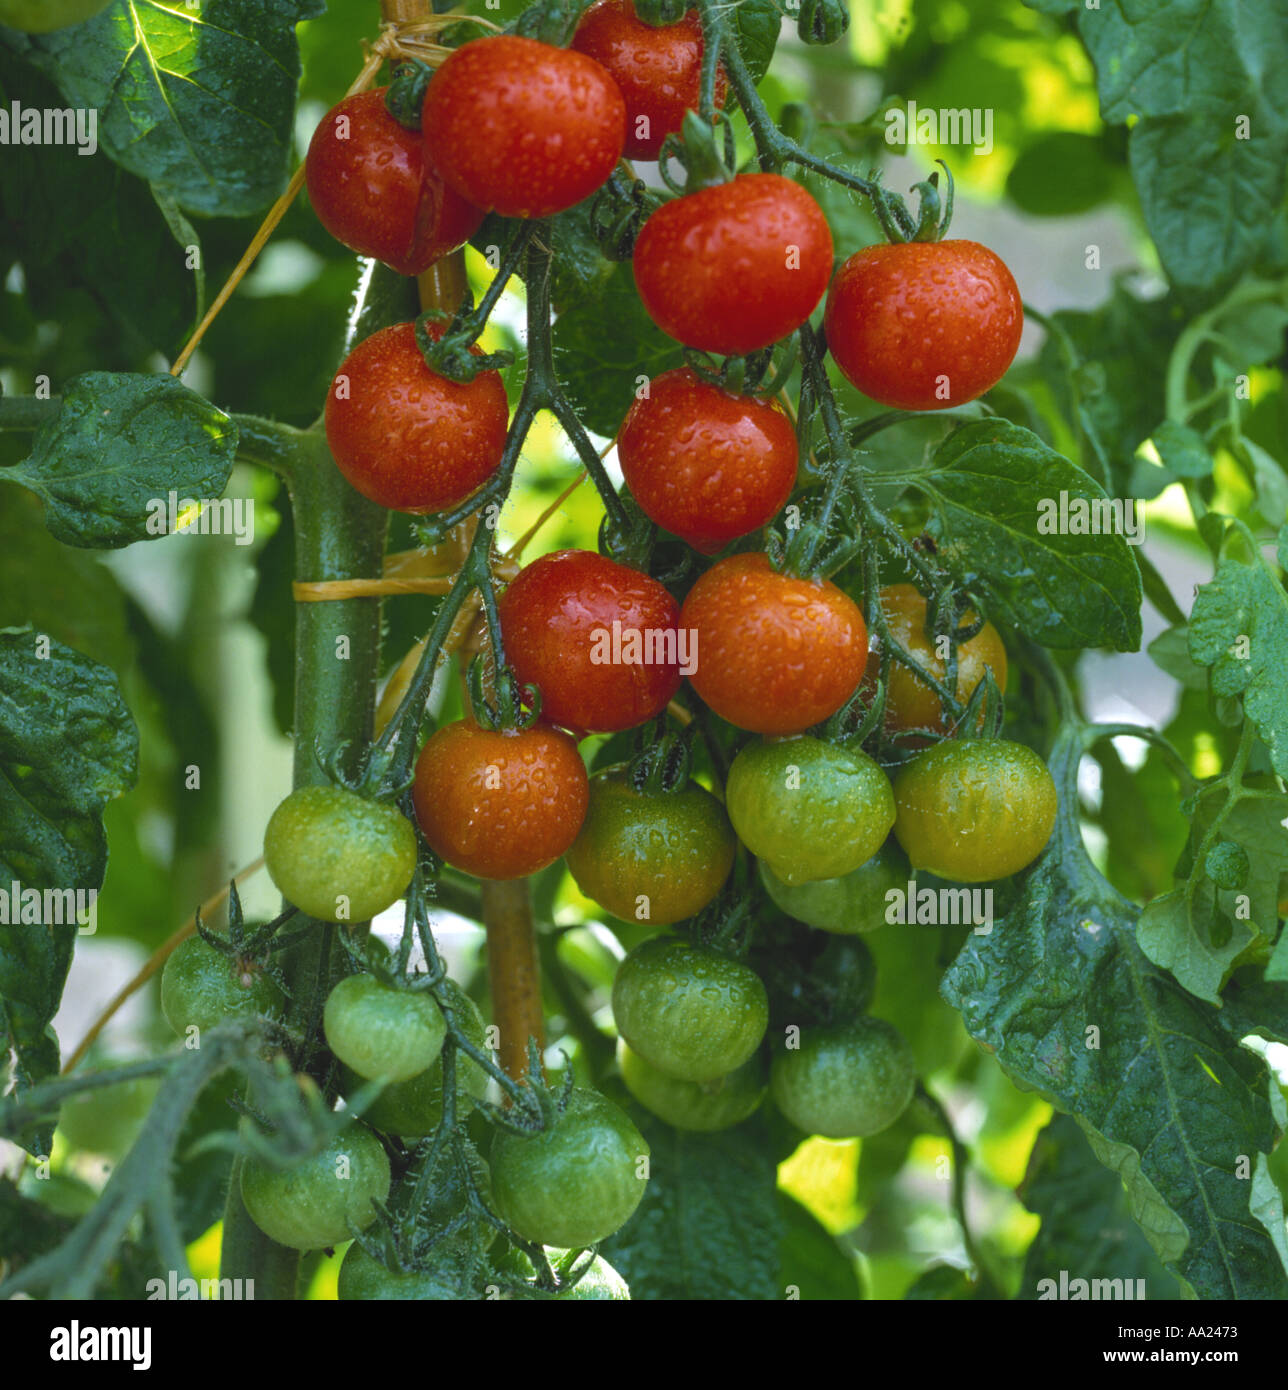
[{"x": 513, "y": 971}]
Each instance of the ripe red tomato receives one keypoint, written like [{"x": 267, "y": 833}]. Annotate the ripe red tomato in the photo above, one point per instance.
[
  {"x": 924, "y": 325},
  {"x": 658, "y": 69},
  {"x": 406, "y": 437},
  {"x": 706, "y": 465},
  {"x": 522, "y": 128},
  {"x": 910, "y": 704},
  {"x": 735, "y": 267},
  {"x": 775, "y": 654},
  {"x": 600, "y": 641},
  {"x": 499, "y": 803},
  {"x": 374, "y": 190}
]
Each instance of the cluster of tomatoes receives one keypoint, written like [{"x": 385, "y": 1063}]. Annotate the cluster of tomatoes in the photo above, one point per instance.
[{"x": 517, "y": 127}]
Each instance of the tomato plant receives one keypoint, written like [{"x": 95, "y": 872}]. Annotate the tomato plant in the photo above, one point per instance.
[
  {"x": 705, "y": 464},
  {"x": 682, "y": 467}
]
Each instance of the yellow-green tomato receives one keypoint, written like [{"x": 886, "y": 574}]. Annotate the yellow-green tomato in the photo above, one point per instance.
[
  {"x": 848, "y": 1081},
  {"x": 809, "y": 809},
  {"x": 379, "y": 1031},
  {"x": 319, "y": 1202},
  {"x": 577, "y": 1181},
  {"x": 412, "y": 1109},
  {"x": 849, "y": 905},
  {"x": 975, "y": 810},
  {"x": 697, "y": 1105},
  {"x": 202, "y": 985},
  {"x": 651, "y": 856},
  {"x": 337, "y": 856},
  {"x": 689, "y": 1011}
]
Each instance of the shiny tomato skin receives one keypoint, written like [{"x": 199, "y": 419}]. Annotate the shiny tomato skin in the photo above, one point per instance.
[
  {"x": 850, "y": 1080},
  {"x": 406, "y": 437},
  {"x": 924, "y": 325},
  {"x": 775, "y": 653},
  {"x": 701, "y": 1106},
  {"x": 734, "y": 267},
  {"x": 522, "y": 128},
  {"x": 651, "y": 856},
  {"x": 658, "y": 70},
  {"x": 557, "y": 621},
  {"x": 374, "y": 190},
  {"x": 499, "y": 803},
  {"x": 911, "y": 704},
  {"x": 974, "y": 810},
  {"x": 706, "y": 465}
]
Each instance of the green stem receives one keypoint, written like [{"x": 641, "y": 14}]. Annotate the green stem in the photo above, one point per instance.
[
  {"x": 338, "y": 535},
  {"x": 268, "y": 443}
]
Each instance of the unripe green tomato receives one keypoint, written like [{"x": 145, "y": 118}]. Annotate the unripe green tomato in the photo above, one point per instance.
[
  {"x": 200, "y": 986},
  {"x": 651, "y": 856},
  {"x": 366, "y": 1280},
  {"x": 809, "y": 809},
  {"x": 44, "y": 16},
  {"x": 704, "y": 1106},
  {"x": 316, "y": 1203},
  {"x": 577, "y": 1181},
  {"x": 412, "y": 1109},
  {"x": 337, "y": 856},
  {"x": 849, "y": 905},
  {"x": 379, "y": 1031},
  {"x": 975, "y": 810},
  {"x": 689, "y": 1011},
  {"x": 848, "y": 1081}
]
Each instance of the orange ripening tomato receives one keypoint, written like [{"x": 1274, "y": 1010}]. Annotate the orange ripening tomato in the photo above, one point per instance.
[
  {"x": 499, "y": 803},
  {"x": 775, "y": 654}
]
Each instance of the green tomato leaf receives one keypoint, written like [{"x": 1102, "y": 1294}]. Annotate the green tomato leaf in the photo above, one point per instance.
[
  {"x": 105, "y": 467},
  {"x": 1062, "y": 995},
  {"x": 200, "y": 103},
  {"x": 755, "y": 25},
  {"x": 53, "y": 786},
  {"x": 1239, "y": 630},
  {"x": 1185, "y": 932},
  {"x": 86, "y": 223},
  {"x": 1209, "y": 145},
  {"x": 604, "y": 346},
  {"x": 995, "y": 489},
  {"x": 812, "y": 1264},
  {"x": 709, "y": 1225}
]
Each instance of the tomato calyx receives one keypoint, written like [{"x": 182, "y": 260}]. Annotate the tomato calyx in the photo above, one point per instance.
[
  {"x": 617, "y": 213},
  {"x": 508, "y": 705},
  {"x": 658, "y": 14},
  {"x": 249, "y": 950},
  {"x": 934, "y": 215},
  {"x": 703, "y": 149},
  {"x": 548, "y": 21},
  {"x": 662, "y": 765},
  {"x": 405, "y": 97}
]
